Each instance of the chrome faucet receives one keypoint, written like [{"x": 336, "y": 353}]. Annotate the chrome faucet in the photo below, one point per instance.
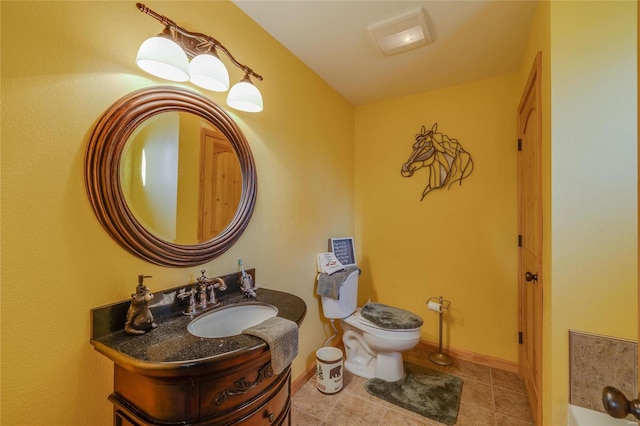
[{"x": 204, "y": 293}]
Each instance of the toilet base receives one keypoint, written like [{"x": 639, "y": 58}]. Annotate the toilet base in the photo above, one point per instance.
[
  {"x": 359, "y": 369},
  {"x": 386, "y": 366}
]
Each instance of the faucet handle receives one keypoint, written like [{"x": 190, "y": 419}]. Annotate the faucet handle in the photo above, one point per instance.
[
  {"x": 183, "y": 293},
  {"x": 202, "y": 279},
  {"x": 212, "y": 285},
  {"x": 191, "y": 294}
]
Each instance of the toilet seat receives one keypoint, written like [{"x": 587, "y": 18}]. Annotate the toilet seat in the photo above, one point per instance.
[
  {"x": 356, "y": 320},
  {"x": 390, "y": 317}
]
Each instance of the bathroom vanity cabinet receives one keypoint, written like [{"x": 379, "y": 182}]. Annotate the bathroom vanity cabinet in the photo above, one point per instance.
[
  {"x": 243, "y": 390},
  {"x": 168, "y": 376}
]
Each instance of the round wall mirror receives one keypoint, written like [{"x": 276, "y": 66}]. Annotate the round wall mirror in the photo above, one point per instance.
[{"x": 170, "y": 176}]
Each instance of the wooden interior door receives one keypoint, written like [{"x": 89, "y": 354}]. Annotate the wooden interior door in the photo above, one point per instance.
[
  {"x": 530, "y": 239},
  {"x": 220, "y": 184}
]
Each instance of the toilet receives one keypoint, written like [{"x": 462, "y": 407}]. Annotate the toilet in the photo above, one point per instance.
[{"x": 374, "y": 335}]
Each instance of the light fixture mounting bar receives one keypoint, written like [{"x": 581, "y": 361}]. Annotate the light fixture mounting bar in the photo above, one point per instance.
[{"x": 195, "y": 44}]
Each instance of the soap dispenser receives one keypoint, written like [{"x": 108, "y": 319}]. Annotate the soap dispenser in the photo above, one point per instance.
[{"x": 139, "y": 317}]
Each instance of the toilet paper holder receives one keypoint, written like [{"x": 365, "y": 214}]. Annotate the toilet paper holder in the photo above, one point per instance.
[{"x": 439, "y": 304}]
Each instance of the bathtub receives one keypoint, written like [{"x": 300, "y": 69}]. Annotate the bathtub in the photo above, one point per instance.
[{"x": 578, "y": 416}]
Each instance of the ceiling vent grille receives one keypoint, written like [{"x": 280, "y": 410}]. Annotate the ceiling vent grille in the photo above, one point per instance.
[{"x": 401, "y": 33}]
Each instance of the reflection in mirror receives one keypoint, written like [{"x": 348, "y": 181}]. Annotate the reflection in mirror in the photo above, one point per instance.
[
  {"x": 181, "y": 178},
  {"x": 170, "y": 176}
]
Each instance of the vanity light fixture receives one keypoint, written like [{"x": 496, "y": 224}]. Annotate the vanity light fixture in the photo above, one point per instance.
[
  {"x": 167, "y": 56},
  {"x": 162, "y": 57},
  {"x": 245, "y": 96}
]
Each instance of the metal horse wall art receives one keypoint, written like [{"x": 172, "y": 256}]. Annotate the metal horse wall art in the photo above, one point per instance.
[{"x": 443, "y": 157}]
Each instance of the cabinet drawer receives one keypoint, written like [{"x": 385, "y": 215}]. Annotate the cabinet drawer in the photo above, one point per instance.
[
  {"x": 238, "y": 388},
  {"x": 273, "y": 412}
]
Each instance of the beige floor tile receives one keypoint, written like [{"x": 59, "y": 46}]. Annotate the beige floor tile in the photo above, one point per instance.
[
  {"x": 478, "y": 394},
  {"x": 512, "y": 404},
  {"x": 347, "y": 378},
  {"x": 357, "y": 388},
  {"x": 510, "y": 421},
  {"x": 355, "y": 385},
  {"x": 418, "y": 356},
  {"x": 465, "y": 370},
  {"x": 312, "y": 401},
  {"x": 470, "y": 415},
  {"x": 351, "y": 410},
  {"x": 300, "y": 418},
  {"x": 507, "y": 380},
  {"x": 469, "y": 370}
]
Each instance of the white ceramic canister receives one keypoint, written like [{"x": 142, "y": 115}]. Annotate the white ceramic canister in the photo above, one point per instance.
[{"x": 329, "y": 369}]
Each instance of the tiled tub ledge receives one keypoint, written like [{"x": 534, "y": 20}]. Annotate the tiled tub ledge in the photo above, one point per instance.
[{"x": 597, "y": 361}]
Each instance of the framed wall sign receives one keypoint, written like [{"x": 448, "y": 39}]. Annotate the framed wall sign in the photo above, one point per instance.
[{"x": 344, "y": 250}]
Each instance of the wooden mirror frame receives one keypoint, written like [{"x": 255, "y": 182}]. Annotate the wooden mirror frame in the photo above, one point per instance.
[{"x": 102, "y": 175}]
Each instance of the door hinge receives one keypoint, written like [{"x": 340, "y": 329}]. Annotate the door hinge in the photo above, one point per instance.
[
  {"x": 519, "y": 144},
  {"x": 519, "y": 240},
  {"x": 520, "y": 337}
]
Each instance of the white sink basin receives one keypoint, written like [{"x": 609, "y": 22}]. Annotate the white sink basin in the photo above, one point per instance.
[{"x": 231, "y": 320}]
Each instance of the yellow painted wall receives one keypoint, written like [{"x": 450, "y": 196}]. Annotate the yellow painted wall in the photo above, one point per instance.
[
  {"x": 459, "y": 243},
  {"x": 63, "y": 64},
  {"x": 594, "y": 178}
]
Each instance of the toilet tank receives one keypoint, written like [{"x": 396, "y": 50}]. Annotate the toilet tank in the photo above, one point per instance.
[{"x": 347, "y": 302}]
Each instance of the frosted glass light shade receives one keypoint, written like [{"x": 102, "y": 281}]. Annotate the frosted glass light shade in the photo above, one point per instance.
[
  {"x": 244, "y": 96},
  {"x": 208, "y": 72},
  {"x": 162, "y": 57}
]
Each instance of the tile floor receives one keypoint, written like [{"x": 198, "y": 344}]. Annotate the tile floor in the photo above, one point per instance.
[{"x": 490, "y": 397}]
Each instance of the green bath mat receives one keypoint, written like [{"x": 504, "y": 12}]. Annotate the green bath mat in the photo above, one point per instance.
[{"x": 424, "y": 391}]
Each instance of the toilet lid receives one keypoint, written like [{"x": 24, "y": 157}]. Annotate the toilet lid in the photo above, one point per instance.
[{"x": 391, "y": 318}]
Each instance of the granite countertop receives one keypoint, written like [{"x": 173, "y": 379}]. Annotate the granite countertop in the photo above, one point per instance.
[{"x": 171, "y": 346}]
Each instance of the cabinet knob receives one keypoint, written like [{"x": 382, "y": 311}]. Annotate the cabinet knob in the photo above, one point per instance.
[{"x": 271, "y": 417}]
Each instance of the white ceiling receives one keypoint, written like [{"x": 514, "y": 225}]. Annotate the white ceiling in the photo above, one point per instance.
[{"x": 471, "y": 40}]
